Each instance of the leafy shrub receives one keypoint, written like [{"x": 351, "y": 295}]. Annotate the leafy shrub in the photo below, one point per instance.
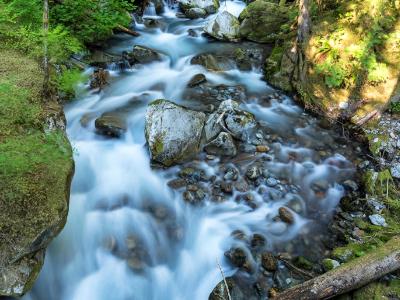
[
  {"x": 91, "y": 21},
  {"x": 68, "y": 81}
]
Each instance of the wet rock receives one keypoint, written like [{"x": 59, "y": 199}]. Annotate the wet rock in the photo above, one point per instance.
[
  {"x": 131, "y": 242},
  {"x": 208, "y": 61},
  {"x": 196, "y": 80},
  {"x": 258, "y": 241},
  {"x": 210, "y": 6},
  {"x": 222, "y": 145},
  {"x": 253, "y": 172},
  {"x": 240, "y": 124},
  {"x": 241, "y": 186},
  {"x": 320, "y": 187},
  {"x": 99, "y": 79},
  {"x": 261, "y": 21},
  {"x": 269, "y": 262},
  {"x": 224, "y": 26},
  {"x": 143, "y": 55},
  {"x": 111, "y": 124},
  {"x": 214, "y": 94},
  {"x": 227, "y": 187},
  {"x": 262, "y": 148},
  {"x": 172, "y": 132},
  {"x": 192, "y": 33},
  {"x": 176, "y": 183},
  {"x": 239, "y": 235},
  {"x": 195, "y": 13},
  {"x": 238, "y": 257},
  {"x": 350, "y": 185},
  {"x": 231, "y": 174},
  {"x": 135, "y": 264},
  {"x": 286, "y": 215},
  {"x": 271, "y": 182},
  {"x": 151, "y": 22},
  {"x": 330, "y": 264},
  {"x": 247, "y": 148},
  {"x": 377, "y": 220},
  {"x": 158, "y": 5}
]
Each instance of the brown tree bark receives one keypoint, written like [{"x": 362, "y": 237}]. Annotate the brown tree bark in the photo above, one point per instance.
[{"x": 350, "y": 276}]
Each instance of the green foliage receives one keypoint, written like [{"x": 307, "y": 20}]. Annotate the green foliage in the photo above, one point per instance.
[
  {"x": 68, "y": 81},
  {"x": 91, "y": 21},
  {"x": 395, "y": 107}
]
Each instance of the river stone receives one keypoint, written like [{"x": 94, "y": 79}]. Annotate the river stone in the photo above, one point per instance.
[
  {"x": 269, "y": 262},
  {"x": 223, "y": 26},
  {"x": 214, "y": 94},
  {"x": 172, "y": 132},
  {"x": 195, "y": 13},
  {"x": 240, "y": 123},
  {"x": 395, "y": 170},
  {"x": 210, "y": 6},
  {"x": 261, "y": 21},
  {"x": 223, "y": 145},
  {"x": 111, "y": 124},
  {"x": 286, "y": 215},
  {"x": 143, "y": 55},
  {"x": 196, "y": 80}
]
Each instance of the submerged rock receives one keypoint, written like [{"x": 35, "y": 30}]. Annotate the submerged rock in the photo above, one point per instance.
[
  {"x": 224, "y": 26},
  {"x": 261, "y": 21},
  {"x": 286, "y": 215},
  {"x": 172, "y": 132},
  {"x": 99, "y": 79}
]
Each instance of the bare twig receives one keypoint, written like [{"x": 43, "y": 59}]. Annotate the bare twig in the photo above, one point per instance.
[{"x": 223, "y": 277}]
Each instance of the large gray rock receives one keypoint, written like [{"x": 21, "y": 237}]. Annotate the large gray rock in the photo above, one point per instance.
[
  {"x": 210, "y": 6},
  {"x": 111, "y": 124},
  {"x": 172, "y": 132},
  {"x": 223, "y": 26}
]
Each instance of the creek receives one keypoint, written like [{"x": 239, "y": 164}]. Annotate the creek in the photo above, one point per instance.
[{"x": 130, "y": 236}]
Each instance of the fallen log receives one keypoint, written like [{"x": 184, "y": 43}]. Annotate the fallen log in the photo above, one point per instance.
[
  {"x": 123, "y": 29},
  {"x": 349, "y": 276}
]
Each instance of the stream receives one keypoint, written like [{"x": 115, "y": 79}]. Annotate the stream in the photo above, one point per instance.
[{"x": 130, "y": 236}]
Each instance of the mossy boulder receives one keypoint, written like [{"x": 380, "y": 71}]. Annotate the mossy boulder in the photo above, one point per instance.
[
  {"x": 210, "y": 6},
  {"x": 36, "y": 168},
  {"x": 261, "y": 21},
  {"x": 172, "y": 132}
]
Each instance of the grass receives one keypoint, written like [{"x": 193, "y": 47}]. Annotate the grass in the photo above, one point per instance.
[{"x": 35, "y": 166}]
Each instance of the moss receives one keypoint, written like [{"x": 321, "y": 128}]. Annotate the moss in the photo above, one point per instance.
[
  {"x": 303, "y": 263},
  {"x": 383, "y": 290},
  {"x": 35, "y": 163},
  {"x": 261, "y": 21},
  {"x": 329, "y": 264}
]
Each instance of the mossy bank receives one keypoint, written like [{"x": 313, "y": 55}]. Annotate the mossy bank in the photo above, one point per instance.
[{"x": 36, "y": 168}]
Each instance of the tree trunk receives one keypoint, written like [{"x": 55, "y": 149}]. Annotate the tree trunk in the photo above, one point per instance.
[
  {"x": 46, "y": 70},
  {"x": 350, "y": 276}
]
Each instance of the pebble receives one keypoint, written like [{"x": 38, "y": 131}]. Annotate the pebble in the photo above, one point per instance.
[
  {"x": 269, "y": 262},
  {"x": 377, "y": 220},
  {"x": 262, "y": 148},
  {"x": 271, "y": 182},
  {"x": 253, "y": 172}
]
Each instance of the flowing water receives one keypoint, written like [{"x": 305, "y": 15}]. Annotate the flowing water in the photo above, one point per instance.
[{"x": 120, "y": 204}]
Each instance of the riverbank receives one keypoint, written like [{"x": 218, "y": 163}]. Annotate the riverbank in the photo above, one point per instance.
[{"x": 36, "y": 168}]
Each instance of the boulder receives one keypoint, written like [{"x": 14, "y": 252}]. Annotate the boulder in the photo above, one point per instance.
[
  {"x": 214, "y": 94},
  {"x": 210, "y": 6},
  {"x": 223, "y": 26},
  {"x": 172, "y": 132},
  {"x": 142, "y": 55},
  {"x": 195, "y": 13},
  {"x": 261, "y": 21},
  {"x": 111, "y": 124}
]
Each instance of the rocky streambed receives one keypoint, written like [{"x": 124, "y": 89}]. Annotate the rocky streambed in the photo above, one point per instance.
[{"x": 188, "y": 163}]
